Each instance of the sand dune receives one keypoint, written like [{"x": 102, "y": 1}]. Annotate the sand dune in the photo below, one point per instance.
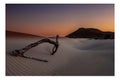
[
  {"x": 12, "y": 34},
  {"x": 74, "y": 57}
]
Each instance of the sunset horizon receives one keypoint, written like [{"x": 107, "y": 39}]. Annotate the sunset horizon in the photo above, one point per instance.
[
  {"x": 59, "y": 35},
  {"x": 51, "y": 19}
]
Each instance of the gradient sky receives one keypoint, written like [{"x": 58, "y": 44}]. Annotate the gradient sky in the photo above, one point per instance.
[{"x": 51, "y": 19}]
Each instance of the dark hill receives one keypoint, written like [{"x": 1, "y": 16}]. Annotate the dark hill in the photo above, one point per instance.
[
  {"x": 91, "y": 33},
  {"x": 19, "y": 34}
]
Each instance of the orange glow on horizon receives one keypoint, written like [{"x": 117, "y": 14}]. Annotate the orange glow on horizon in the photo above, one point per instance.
[
  {"x": 50, "y": 20},
  {"x": 60, "y": 31}
]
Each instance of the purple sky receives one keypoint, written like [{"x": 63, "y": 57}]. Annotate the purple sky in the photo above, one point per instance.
[{"x": 62, "y": 19}]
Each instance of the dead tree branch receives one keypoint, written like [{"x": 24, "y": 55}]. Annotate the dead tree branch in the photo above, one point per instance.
[{"x": 21, "y": 52}]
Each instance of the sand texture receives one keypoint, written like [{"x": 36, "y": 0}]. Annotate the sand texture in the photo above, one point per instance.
[{"x": 75, "y": 57}]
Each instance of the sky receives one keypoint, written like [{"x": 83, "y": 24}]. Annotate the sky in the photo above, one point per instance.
[{"x": 52, "y": 19}]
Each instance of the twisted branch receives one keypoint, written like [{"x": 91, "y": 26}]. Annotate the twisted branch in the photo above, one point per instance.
[{"x": 21, "y": 52}]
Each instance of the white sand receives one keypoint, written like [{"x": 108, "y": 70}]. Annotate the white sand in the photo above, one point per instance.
[{"x": 74, "y": 57}]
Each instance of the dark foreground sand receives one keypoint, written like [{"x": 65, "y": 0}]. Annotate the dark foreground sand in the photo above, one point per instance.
[{"x": 74, "y": 57}]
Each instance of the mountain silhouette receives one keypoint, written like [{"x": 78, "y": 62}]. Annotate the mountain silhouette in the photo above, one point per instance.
[{"x": 91, "y": 33}]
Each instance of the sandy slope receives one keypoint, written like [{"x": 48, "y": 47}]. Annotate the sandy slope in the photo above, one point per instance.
[{"x": 74, "y": 57}]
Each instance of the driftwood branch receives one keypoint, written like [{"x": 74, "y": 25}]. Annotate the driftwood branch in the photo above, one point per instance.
[
  {"x": 21, "y": 52},
  {"x": 35, "y": 58}
]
